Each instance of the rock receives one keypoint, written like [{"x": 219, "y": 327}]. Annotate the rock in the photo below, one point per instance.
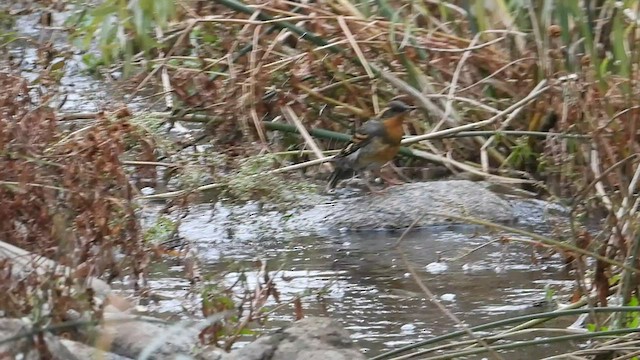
[
  {"x": 211, "y": 352},
  {"x": 83, "y": 351},
  {"x": 131, "y": 338},
  {"x": 400, "y": 206},
  {"x": 312, "y": 338},
  {"x": 395, "y": 209},
  {"x": 23, "y": 346}
]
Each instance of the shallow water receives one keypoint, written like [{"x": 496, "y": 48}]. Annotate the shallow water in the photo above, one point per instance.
[
  {"x": 79, "y": 91},
  {"x": 365, "y": 284}
]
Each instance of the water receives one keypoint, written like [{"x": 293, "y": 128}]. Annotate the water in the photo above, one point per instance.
[
  {"x": 79, "y": 91},
  {"x": 364, "y": 282}
]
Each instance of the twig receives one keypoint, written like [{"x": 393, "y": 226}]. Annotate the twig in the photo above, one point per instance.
[
  {"x": 410, "y": 90},
  {"x": 543, "y": 239},
  {"x": 178, "y": 193},
  {"x": 431, "y": 296},
  {"x": 448, "y": 108},
  {"x": 449, "y": 161},
  {"x": 18, "y": 186},
  {"x": 255, "y": 69},
  {"x": 489, "y": 339},
  {"x": 469, "y": 252},
  {"x": 537, "y": 91},
  {"x": 600, "y": 189},
  {"x": 471, "y": 47},
  {"x": 484, "y": 156},
  {"x": 78, "y": 116},
  {"x": 490, "y": 76},
  {"x": 185, "y": 33},
  {"x": 149, "y": 163},
  {"x": 164, "y": 76},
  {"x": 354, "y": 110},
  {"x": 531, "y": 320},
  {"x": 173, "y": 194},
  {"x": 291, "y": 116},
  {"x": 354, "y": 45}
]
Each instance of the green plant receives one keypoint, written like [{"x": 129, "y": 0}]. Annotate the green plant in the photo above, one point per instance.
[
  {"x": 253, "y": 181},
  {"x": 161, "y": 230},
  {"x": 123, "y": 28}
]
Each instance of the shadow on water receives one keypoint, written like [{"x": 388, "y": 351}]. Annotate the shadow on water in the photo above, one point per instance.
[{"x": 364, "y": 282}]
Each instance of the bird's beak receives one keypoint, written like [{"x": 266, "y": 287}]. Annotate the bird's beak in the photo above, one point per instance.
[{"x": 411, "y": 108}]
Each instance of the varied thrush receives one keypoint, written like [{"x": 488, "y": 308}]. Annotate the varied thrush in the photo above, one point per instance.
[{"x": 374, "y": 144}]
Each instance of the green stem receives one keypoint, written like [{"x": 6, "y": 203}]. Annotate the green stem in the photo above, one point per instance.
[
  {"x": 322, "y": 134},
  {"x": 626, "y": 282},
  {"x": 240, "y": 7}
]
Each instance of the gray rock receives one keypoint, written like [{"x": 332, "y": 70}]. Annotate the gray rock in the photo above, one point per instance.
[
  {"x": 83, "y": 351},
  {"x": 400, "y": 206},
  {"x": 396, "y": 208},
  {"x": 24, "y": 347},
  {"x": 311, "y": 338},
  {"x": 211, "y": 352},
  {"x": 132, "y": 338}
]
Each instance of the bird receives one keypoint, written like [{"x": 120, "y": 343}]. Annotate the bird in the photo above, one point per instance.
[{"x": 372, "y": 145}]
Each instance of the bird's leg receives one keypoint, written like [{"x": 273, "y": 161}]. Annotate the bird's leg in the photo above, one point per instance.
[
  {"x": 373, "y": 190},
  {"x": 368, "y": 179},
  {"x": 398, "y": 174},
  {"x": 389, "y": 180}
]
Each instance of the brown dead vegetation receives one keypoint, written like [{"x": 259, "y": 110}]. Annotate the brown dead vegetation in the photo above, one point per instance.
[{"x": 64, "y": 197}]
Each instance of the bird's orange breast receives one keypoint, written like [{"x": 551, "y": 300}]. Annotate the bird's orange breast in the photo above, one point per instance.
[
  {"x": 377, "y": 154},
  {"x": 393, "y": 129}
]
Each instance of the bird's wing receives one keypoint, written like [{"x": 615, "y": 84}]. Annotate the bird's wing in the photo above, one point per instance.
[{"x": 362, "y": 137}]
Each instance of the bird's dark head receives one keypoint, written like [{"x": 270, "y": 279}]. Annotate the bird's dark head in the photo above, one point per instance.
[{"x": 395, "y": 108}]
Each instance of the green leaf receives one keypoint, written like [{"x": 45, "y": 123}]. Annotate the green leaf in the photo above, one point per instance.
[
  {"x": 164, "y": 8},
  {"x": 247, "y": 331},
  {"x": 15, "y": 188},
  {"x": 57, "y": 65},
  {"x": 138, "y": 17},
  {"x": 602, "y": 69},
  {"x": 210, "y": 38},
  {"x": 107, "y": 8}
]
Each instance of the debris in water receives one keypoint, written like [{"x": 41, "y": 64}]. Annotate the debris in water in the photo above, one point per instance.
[
  {"x": 448, "y": 297},
  {"x": 436, "y": 267}
]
